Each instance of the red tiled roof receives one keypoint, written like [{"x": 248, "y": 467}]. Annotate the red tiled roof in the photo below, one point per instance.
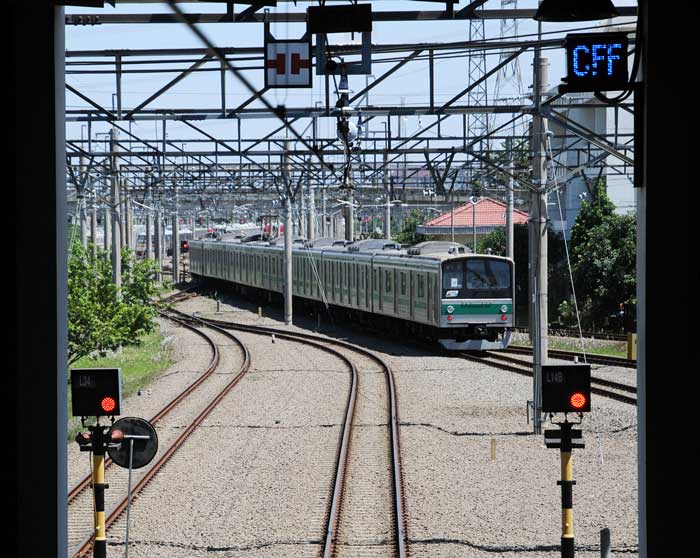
[{"x": 489, "y": 213}]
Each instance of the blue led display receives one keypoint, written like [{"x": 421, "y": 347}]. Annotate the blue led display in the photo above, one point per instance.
[{"x": 596, "y": 62}]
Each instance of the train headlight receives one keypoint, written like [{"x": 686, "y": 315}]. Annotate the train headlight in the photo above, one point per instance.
[
  {"x": 450, "y": 309},
  {"x": 504, "y": 308}
]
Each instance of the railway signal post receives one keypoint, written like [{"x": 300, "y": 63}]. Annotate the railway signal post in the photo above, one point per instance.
[
  {"x": 566, "y": 389},
  {"x": 96, "y": 392}
]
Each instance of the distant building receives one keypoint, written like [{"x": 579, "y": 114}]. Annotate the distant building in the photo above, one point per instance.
[
  {"x": 486, "y": 213},
  {"x": 570, "y": 151}
]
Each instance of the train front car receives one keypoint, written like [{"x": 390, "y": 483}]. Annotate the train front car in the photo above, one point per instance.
[{"x": 476, "y": 310}]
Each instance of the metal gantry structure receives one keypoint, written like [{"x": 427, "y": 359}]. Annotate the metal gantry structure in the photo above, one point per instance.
[
  {"x": 461, "y": 140},
  {"x": 40, "y": 190}
]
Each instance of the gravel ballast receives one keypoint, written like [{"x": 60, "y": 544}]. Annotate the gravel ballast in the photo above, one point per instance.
[{"x": 258, "y": 472}]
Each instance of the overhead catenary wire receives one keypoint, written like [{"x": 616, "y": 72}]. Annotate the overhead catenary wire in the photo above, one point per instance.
[
  {"x": 279, "y": 111},
  {"x": 548, "y": 148}
]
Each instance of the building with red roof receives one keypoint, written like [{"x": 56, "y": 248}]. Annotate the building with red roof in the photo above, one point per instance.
[{"x": 480, "y": 218}]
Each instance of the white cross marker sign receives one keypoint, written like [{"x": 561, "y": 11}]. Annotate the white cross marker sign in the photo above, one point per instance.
[{"x": 288, "y": 63}]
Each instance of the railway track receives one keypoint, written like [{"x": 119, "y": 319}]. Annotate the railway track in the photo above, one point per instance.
[
  {"x": 359, "y": 513},
  {"x": 575, "y": 333},
  {"x": 116, "y": 506},
  {"x": 600, "y": 386},
  {"x": 573, "y": 355}
]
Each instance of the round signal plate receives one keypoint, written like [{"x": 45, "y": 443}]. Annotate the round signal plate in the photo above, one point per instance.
[{"x": 144, "y": 440}]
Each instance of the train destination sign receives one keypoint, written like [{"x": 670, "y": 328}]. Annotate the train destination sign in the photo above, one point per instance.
[{"x": 596, "y": 62}]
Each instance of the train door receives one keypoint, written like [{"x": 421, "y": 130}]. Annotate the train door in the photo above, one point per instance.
[
  {"x": 379, "y": 287},
  {"x": 435, "y": 302},
  {"x": 428, "y": 292},
  {"x": 356, "y": 285},
  {"x": 344, "y": 282},
  {"x": 411, "y": 293},
  {"x": 361, "y": 286},
  {"x": 338, "y": 276},
  {"x": 388, "y": 297}
]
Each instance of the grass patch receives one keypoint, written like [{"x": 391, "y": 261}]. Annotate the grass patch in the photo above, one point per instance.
[
  {"x": 140, "y": 364},
  {"x": 592, "y": 346}
]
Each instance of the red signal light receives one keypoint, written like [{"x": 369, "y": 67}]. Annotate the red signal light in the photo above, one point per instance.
[
  {"x": 108, "y": 404},
  {"x": 577, "y": 400}
]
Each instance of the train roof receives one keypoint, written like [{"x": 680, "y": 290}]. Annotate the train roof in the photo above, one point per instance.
[{"x": 377, "y": 248}]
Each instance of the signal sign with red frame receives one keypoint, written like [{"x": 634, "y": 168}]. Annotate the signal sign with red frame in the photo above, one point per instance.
[{"x": 288, "y": 62}]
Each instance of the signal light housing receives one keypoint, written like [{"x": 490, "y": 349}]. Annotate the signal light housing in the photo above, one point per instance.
[
  {"x": 566, "y": 388},
  {"x": 96, "y": 392}
]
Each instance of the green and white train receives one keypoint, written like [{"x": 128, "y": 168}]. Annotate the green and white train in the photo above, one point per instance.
[{"x": 435, "y": 291}]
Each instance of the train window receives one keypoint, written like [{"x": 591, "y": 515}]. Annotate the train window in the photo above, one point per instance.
[
  {"x": 387, "y": 280},
  {"x": 476, "y": 278},
  {"x": 488, "y": 278},
  {"x": 420, "y": 288},
  {"x": 403, "y": 283},
  {"x": 452, "y": 278}
]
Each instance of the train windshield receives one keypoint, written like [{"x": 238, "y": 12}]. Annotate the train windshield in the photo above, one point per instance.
[{"x": 476, "y": 278}]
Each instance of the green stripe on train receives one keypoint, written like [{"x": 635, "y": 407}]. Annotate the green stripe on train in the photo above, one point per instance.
[{"x": 485, "y": 308}]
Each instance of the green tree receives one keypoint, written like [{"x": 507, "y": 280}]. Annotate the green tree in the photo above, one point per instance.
[
  {"x": 603, "y": 259},
  {"x": 493, "y": 243},
  {"x": 102, "y": 318},
  {"x": 409, "y": 235}
]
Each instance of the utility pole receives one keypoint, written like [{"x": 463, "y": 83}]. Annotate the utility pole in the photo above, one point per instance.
[
  {"x": 509, "y": 201},
  {"x": 116, "y": 225},
  {"x": 149, "y": 234},
  {"x": 474, "y": 200},
  {"x": 107, "y": 228},
  {"x": 159, "y": 243},
  {"x": 312, "y": 206},
  {"x": 93, "y": 224},
  {"x": 175, "y": 238},
  {"x": 349, "y": 218},
  {"x": 538, "y": 235},
  {"x": 288, "y": 233},
  {"x": 82, "y": 202},
  {"x": 324, "y": 208},
  {"x": 387, "y": 191},
  {"x": 129, "y": 222}
]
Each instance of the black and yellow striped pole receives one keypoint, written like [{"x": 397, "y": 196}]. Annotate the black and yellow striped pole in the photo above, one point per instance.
[
  {"x": 99, "y": 445},
  {"x": 567, "y": 483}
]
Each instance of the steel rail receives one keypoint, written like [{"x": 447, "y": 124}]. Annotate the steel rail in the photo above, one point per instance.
[
  {"x": 213, "y": 364},
  {"x": 524, "y": 369},
  {"x": 397, "y": 485},
  {"x": 153, "y": 470},
  {"x": 572, "y": 355}
]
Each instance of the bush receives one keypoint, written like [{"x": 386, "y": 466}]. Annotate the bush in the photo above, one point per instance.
[{"x": 101, "y": 317}]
